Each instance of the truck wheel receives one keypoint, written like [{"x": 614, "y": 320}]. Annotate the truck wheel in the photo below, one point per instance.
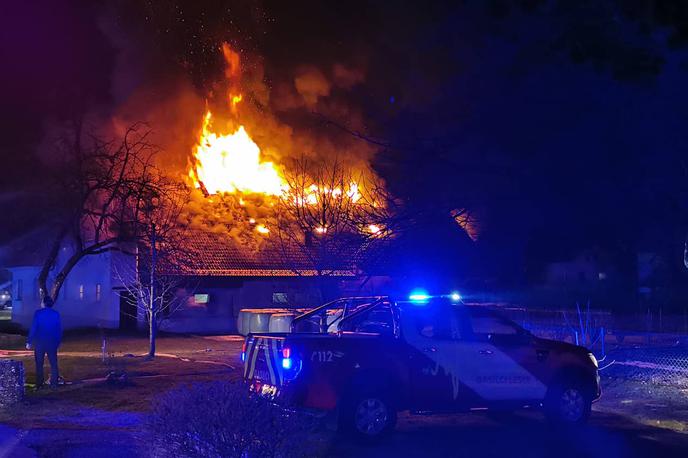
[
  {"x": 568, "y": 403},
  {"x": 370, "y": 417}
]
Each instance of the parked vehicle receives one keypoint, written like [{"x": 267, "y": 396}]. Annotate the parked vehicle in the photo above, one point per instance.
[
  {"x": 365, "y": 359},
  {"x": 5, "y": 299}
]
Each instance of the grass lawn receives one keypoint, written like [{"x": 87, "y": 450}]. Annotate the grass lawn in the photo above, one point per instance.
[{"x": 180, "y": 360}]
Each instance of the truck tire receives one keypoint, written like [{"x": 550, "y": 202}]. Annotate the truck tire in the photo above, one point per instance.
[
  {"x": 568, "y": 403},
  {"x": 368, "y": 416}
]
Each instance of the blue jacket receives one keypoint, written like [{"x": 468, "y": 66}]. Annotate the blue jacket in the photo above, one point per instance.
[{"x": 46, "y": 329}]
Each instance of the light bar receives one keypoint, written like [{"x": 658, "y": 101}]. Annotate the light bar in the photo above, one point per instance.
[{"x": 419, "y": 296}]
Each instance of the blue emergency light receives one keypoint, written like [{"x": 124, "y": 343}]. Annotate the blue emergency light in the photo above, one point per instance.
[
  {"x": 455, "y": 296},
  {"x": 286, "y": 358},
  {"x": 419, "y": 296}
]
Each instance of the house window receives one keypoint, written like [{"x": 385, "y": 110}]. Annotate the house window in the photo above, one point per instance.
[
  {"x": 81, "y": 292},
  {"x": 199, "y": 300},
  {"x": 20, "y": 289},
  {"x": 98, "y": 292},
  {"x": 279, "y": 298}
]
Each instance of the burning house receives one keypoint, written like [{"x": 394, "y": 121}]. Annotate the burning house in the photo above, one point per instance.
[
  {"x": 264, "y": 225},
  {"x": 221, "y": 279}
]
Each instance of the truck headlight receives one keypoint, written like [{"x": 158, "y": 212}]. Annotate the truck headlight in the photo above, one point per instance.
[{"x": 593, "y": 359}]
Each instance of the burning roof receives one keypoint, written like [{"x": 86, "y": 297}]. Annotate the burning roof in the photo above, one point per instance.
[{"x": 212, "y": 254}]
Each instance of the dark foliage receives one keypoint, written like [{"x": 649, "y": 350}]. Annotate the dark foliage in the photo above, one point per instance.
[{"x": 219, "y": 419}]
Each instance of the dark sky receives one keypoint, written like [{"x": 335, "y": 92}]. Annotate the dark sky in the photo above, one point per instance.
[{"x": 562, "y": 136}]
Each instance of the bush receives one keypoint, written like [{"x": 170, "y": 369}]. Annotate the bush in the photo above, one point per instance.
[{"x": 219, "y": 419}]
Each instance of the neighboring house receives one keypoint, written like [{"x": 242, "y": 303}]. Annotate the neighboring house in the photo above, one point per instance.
[
  {"x": 223, "y": 278},
  {"x": 586, "y": 269},
  {"x": 89, "y": 297}
]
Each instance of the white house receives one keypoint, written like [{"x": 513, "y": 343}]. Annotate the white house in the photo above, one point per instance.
[
  {"x": 224, "y": 279},
  {"x": 89, "y": 297}
]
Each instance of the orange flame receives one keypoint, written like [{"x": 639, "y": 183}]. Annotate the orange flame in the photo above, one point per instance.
[{"x": 230, "y": 163}]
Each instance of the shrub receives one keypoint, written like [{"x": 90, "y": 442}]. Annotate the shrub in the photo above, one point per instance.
[{"x": 219, "y": 419}]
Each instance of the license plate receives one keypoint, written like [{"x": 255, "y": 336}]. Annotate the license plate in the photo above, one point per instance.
[{"x": 265, "y": 390}]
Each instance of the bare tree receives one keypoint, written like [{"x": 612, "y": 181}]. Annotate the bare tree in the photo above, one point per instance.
[
  {"x": 331, "y": 220},
  {"x": 110, "y": 192},
  {"x": 155, "y": 288},
  {"x": 160, "y": 258}
]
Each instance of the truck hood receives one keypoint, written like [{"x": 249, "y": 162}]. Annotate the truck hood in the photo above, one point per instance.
[{"x": 560, "y": 346}]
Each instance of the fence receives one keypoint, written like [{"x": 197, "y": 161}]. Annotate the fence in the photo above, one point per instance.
[{"x": 650, "y": 347}]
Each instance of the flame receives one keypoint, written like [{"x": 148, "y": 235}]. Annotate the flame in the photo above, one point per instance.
[{"x": 231, "y": 163}]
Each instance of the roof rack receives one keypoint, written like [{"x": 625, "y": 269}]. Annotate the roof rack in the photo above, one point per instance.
[{"x": 350, "y": 306}]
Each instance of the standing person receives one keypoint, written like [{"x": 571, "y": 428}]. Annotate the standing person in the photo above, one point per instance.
[{"x": 44, "y": 338}]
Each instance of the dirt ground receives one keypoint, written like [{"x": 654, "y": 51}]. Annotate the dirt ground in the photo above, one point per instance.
[{"x": 91, "y": 416}]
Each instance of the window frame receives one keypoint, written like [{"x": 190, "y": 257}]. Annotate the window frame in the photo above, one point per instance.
[
  {"x": 457, "y": 313},
  {"x": 520, "y": 335}
]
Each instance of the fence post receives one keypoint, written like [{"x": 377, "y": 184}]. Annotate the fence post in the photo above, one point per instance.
[{"x": 575, "y": 333}]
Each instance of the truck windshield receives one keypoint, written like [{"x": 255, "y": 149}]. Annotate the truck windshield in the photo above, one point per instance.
[
  {"x": 379, "y": 320},
  {"x": 329, "y": 317}
]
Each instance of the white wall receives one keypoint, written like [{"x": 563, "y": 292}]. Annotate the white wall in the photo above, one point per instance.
[
  {"x": 79, "y": 302},
  {"x": 24, "y": 294}
]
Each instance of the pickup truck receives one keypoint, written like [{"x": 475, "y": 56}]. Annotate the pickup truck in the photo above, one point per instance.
[{"x": 365, "y": 359}]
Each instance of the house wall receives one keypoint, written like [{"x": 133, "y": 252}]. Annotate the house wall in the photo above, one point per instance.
[
  {"x": 82, "y": 307},
  {"x": 227, "y": 295},
  {"x": 85, "y": 300},
  {"x": 24, "y": 292}
]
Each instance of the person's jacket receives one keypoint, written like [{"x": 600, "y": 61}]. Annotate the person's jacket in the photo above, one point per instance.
[{"x": 46, "y": 329}]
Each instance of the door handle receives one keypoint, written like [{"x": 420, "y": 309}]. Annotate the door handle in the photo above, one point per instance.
[
  {"x": 486, "y": 352},
  {"x": 429, "y": 349}
]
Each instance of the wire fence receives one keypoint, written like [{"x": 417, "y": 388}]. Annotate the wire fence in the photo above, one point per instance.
[{"x": 650, "y": 347}]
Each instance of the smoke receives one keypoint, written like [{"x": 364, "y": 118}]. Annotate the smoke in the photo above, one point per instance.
[
  {"x": 311, "y": 84},
  {"x": 145, "y": 65}
]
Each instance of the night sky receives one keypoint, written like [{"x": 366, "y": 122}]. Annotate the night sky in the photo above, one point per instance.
[{"x": 562, "y": 131}]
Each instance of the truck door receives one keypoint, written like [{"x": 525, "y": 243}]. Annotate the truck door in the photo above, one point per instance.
[
  {"x": 434, "y": 335},
  {"x": 502, "y": 360}
]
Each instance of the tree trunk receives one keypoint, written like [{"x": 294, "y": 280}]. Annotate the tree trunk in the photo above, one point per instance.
[
  {"x": 153, "y": 313},
  {"x": 49, "y": 264},
  {"x": 152, "y": 334}
]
